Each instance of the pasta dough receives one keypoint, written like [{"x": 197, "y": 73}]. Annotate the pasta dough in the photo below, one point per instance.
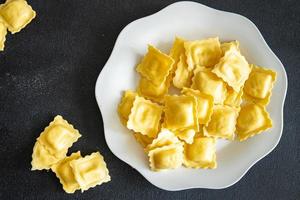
[
  {"x": 201, "y": 153},
  {"x": 16, "y": 14},
  {"x": 164, "y": 138},
  {"x": 155, "y": 66},
  {"x": 208, "y": 83},
  {"x": 222, "y": 123},
  {"x": 233, "y": 98},
  {"x": 144, "y": 140},
  {"x": 3, "y": 32},
  {"x": 252, "y": 120},
  {"x": 258, "y": 87},
  {"x": 124, "y": 108},
  {"x": 144, "y": 117},
  {"x": 90, "y": 171}
]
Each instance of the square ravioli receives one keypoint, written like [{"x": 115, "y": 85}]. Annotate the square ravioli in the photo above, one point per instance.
[
  {"x": 206, "y": 52},
  {"x": 208, "y": 83},
  {"x": 180, "y": 113},
  {"x": 225, "y": 46},
  {"x": 41, "y": 158},
  {"x": 145, "y": 117},
  {"x": 258, "y": 87},
  {"x": 205, "y": 104},
  {"x": 64, "y": 173},
  {"x": 233, "y": 98},
  {"x": 183, "y": 75},
  {"x": 166, "y": 157},
  {"x": 201, "y": 153},
  {"x": 3, "y": 32},
  {"x": 124, "y": 108},
  {"x": 153, "y": 92},
  {"x": 58, "y": 137},
  {"x": 16, "y": 14},
  {"x": 155, "y": 66},
  {"x": 177, "y": 50},
  {"x": 164, "y": 138},
  {"x": 233, "y": 68},
  {"x": 90, "y": 171},
  {"x": 252, "y": 120},
  {"x": 187, "y": 135},
  {"x": 222, "y": 123}
]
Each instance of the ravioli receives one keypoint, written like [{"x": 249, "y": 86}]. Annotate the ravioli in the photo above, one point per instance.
[
  {"x": 58, "y": 137},
  {"x": 183, "y": 75},
  {"x": 155, "y": 66},
  {"x": 233, "y": 98},
  {"x": 153, "y": 92},
  {"x": 233, "y": 68},
  {"x": 145, "y": 117},
  {"x": 124, "y": 108},
  {"x": 201, "y": 153},
  {"x": 177, "y": 50},
  {"x": 252, "y": 120},
  {"x": 3, "y": 32},
  {"x": 258, "y": 87},
  {"x": 180, "y": 113},
  {"x": 41, "y": 158},
  {"x": 205, "y": 104},
  {"x": 166, "y": 157},
  {"x": 187, "y": 135},
  {"x": 208, "y": 83},
  {"x": 222, "y": 123},
  {"x": 206, "y": 52},
  {"x": 16, "y": 14},
  {"x": 90, "y": 171},
  {"x": 225, "y": 46},
  {"x": 164, "y": 138},
  {"x": 65, "y": 174}
]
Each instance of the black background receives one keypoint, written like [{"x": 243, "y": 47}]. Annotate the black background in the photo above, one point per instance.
[{"x": 51, "y": 67}]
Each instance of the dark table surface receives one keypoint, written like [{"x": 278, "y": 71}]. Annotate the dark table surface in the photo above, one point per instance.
[{"x": 51, "y": 68}]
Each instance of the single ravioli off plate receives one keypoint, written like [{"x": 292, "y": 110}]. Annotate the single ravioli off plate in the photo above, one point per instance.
[{"x": 191, "y": 21}]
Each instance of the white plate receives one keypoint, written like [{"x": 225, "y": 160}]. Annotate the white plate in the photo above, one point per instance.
[{"x": 191, "y": 21}]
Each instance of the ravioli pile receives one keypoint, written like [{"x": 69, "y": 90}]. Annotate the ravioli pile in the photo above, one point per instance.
[
  {"x": 14, "y": 16},
  {"x": 213, "y": 79},
  {"x": 74, "y": 172}
]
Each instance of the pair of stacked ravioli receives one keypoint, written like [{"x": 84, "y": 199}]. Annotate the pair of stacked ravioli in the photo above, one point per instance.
[
  {"x": 213, "y": 78},
  {"x": 74, "y": 172},
  {"x": 14, "y": 16}
]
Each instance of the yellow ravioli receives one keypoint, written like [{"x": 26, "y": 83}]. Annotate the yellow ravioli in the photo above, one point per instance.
[
  {"x": 90, "y": 171},
  {"x": 183, "y": 75},
  {"x": 166, "y": 157},
  {"x": 258, "y": 87},
  {"x": 252, "y": 120},
  {"x": 180, "y": 113},
  {"x": 144, "y": 140},
  {"x": 187, "y": 135},
  {"x": 201, "y": 153},
  {"x": 206, "y": 52},
  {"x": 16, "y": 14},
  {"x": 151, "y": 91},
  {"x": 145, "y": 117},
  {"x": 41, "y": 158},
  {"x": 227, "y": 45},
  {"x": 65, "y": 174},
  {"x": 177, "y": 49},
  {"x": 58, "y": 137},
  {"x": 164, "y": 138},
  {"x": 233, "y": 98},
  {"x": 155, "y": 66},
  {"x": 222, "y": 123},
  {"x": 233, "y": 69},
  {"x": 124, "y": 108},
  {"x": 208, "y": 83},
  {"x": 205, "y": 104},
  {"x": 3, "y": 32}
]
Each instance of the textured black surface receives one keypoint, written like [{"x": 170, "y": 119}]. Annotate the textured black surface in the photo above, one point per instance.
[{"x": 51, "y": 68}]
